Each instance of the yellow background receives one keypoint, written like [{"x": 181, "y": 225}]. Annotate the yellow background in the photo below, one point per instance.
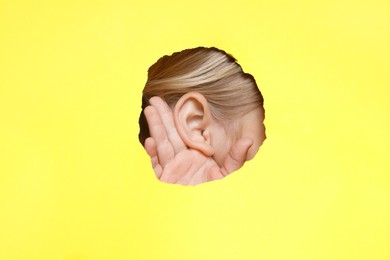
[{"x": 75, "y": 184}]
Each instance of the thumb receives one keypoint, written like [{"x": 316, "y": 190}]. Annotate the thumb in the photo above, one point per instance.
[{"x": 237, "y": 155}]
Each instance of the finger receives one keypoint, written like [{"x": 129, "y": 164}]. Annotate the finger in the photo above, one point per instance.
[
  {"x": 166, "y": 116},
  {"x": 158, "y": 170},
  {"x": 151, "y": 149},
  {"x": 237, "y": 155},
  {"x": 165, "y": 151}
]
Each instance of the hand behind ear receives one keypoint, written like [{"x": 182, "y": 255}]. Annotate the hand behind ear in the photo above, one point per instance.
[{"x": 173, "y": 161}]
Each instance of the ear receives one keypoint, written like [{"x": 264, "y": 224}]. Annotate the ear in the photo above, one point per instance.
[{"x": 193, "y": 120}]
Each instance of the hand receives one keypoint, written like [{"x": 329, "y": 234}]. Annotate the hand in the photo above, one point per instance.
[{"x": 173, "y": 161}]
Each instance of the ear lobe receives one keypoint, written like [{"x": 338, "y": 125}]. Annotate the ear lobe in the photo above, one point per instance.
[{"x": 193, "y": 118}]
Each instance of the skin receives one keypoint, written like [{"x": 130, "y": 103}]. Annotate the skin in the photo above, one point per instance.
[
  {"x": 177, "y": 158},
  {"x": 250, "y": 126}
]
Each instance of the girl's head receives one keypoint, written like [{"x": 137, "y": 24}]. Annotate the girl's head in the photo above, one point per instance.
[{"x": 213, "y": 101}]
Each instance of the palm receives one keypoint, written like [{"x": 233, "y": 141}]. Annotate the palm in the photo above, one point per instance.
[
  {"x": 173, "y": 161},
  {"x": 190, "y": 167}
]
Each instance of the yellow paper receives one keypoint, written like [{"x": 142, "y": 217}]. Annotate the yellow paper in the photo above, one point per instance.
[{"x": 75, "y": 184}]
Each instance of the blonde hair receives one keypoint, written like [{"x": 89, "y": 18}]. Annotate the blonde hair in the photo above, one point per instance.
[{"x": 211, "y": 72}]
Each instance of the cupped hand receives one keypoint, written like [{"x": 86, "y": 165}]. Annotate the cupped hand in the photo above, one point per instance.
[{"x": 173, "y": 161}]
